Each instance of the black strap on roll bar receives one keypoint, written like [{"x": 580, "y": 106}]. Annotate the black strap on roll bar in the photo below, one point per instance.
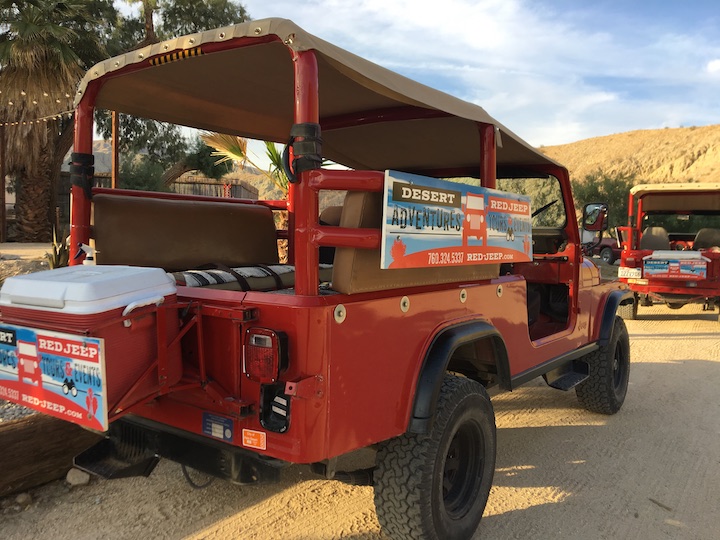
[
  {"x": 82, "y": 171},
  {"x": 307, "y": 153}
]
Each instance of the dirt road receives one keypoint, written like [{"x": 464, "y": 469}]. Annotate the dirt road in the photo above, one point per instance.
[{"x": 652, "y": 471}]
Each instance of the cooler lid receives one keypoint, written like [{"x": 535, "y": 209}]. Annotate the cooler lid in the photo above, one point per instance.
[
  {"x": 663, "y": 255},
  {"x": 86, "y": 289}
]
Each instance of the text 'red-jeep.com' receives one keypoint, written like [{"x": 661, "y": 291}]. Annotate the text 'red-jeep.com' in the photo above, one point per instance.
[
  {"x": 190, "y": 339},
  {"x": 671, "y": 246}
]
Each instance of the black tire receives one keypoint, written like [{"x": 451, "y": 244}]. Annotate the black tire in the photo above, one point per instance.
[
  {"x": 675, "y": 305},
  {"x": 607, "y": 255},
  {"x": 435, "y": 486},
  {"x": 629, "y": 311},
  {"x": 605, "y": 390}
]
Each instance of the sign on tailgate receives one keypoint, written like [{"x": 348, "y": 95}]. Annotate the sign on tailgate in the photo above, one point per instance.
[
  {"x": 59, "y": 374},
  {"x": 669, "y": 265}
]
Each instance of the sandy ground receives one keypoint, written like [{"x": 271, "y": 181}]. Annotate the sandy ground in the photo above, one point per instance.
[
  {"x": 651, "y": 471},
  {"x": 11, "y": 250}
]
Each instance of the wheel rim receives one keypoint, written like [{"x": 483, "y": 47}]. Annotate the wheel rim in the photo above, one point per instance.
[
  {"x": 618, "y": 367},
  {"x": 463, "y": 470},
  {"x": 606, "y": 255}
]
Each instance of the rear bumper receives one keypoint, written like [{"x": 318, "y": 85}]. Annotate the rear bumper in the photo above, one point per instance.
[
  {"x": 677, "y": 295},
  {"x": 134, "y": 444}
]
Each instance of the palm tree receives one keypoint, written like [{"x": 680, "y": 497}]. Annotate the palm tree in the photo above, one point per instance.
[
  {"x": 147, "y": 10},
  {"x": 233, "y": 148},
  {"x": 39, "y": 70}
]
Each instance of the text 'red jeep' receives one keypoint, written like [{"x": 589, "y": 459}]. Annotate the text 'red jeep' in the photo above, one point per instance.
[
  {"x": 671, "y": 246},
  {"x": 243, "y": 368}
]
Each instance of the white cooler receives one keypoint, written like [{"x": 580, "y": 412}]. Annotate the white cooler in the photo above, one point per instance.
[{"x": 74, "y": 340}]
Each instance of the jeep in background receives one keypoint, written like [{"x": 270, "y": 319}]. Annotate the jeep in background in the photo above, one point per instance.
[
  {"x": 189, "y": 340},
  {"x": 671, "y": 247},
  {"x": 608, "y": 249}
]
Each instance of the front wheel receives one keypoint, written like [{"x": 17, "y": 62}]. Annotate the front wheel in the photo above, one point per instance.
[
  {"x": 605, "y": 389},
  {"x": 436, "y": 485}
]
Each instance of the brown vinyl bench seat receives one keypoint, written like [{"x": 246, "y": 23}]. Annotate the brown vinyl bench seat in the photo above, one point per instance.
[
  {"x": 179, "y": 234},
  {"x": 214, "y": 244}
]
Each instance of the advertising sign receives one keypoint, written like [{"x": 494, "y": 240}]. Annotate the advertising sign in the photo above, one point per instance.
[
  {"x": 62, "y": 375},
  {"x": 429, "y": 222},
  {"x": 688, "y": 269}
]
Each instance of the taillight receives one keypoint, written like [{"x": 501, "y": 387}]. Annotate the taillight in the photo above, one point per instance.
[{"x": 264, "y": 354}]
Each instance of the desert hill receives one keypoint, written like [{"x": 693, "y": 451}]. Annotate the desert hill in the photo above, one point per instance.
[{"x": 689, "y": 154}]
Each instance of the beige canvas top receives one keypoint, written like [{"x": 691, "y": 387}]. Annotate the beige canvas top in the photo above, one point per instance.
[
  {"x": 248, "y": 91},
  {"x": 678, "y": 197}
]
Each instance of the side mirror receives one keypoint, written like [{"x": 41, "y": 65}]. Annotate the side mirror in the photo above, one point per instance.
[{"x": 595, "y": 217}]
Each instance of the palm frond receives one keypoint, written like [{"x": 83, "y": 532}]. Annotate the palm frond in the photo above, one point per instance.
[{"x": 231, "y": 147}]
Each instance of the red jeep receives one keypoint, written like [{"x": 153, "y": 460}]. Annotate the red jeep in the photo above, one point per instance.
[
  {"x": 671, "y": 246},
  {"x": 190, "y": 340},
  {"x": 607, "y": 248}
]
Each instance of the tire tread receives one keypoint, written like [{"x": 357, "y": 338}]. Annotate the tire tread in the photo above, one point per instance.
[
  {"x": 401, "y": 492},
  {"x": 596, "y": 394}
]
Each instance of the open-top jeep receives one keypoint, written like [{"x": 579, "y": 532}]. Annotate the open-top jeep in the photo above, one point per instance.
[
  {"x": 189, "y": 339},
  {"x": 671, "y": 246}
]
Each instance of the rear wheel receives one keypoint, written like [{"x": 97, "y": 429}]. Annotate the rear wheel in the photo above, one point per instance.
[
  {"x": 606, "y": 387},
  {"x": 607, "y": 255},
  {"x": 675, "y": 305},
  {"x": 435, "y": 486}
]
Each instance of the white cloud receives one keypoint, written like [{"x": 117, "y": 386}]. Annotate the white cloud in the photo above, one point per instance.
[
  {"x": 553, "y": 72},
  {"x": 713, "y": 67}
]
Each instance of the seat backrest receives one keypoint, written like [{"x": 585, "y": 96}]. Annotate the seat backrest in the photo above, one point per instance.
[
  {"x": 707, "y": 238},
  {"x": 655, "y": 238},
  {"x": 358, "y": 270},
  {"x": 329, "y": 217},
  {"x": 179, "y": 234}
]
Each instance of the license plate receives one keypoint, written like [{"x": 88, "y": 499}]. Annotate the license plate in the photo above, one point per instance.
[
  {"x": 59, "y": 374},
  {"x": 626, "y": 272}
]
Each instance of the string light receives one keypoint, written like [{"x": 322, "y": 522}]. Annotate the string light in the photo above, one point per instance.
[
  {"x": 55, "y": 116},
  {"x": 23, "y": 99}
]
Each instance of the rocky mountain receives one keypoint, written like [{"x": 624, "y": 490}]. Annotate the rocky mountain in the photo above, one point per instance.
[{"x": 690, "y": 154}]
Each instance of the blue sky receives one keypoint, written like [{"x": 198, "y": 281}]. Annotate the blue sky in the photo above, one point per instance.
[{"x": 553, "y": 71}]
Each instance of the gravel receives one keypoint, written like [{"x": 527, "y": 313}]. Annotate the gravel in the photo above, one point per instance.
[{"x": 10, "y": 411}]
